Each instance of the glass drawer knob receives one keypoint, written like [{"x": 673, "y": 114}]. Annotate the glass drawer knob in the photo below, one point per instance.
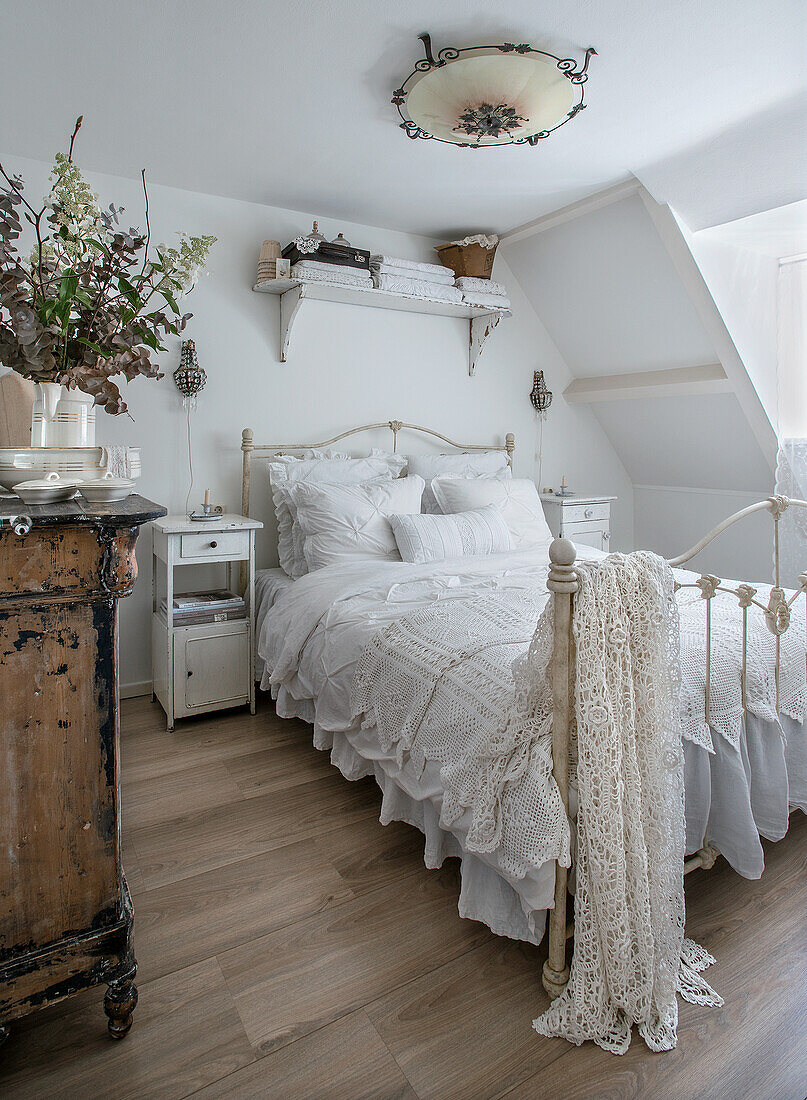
[{"x": 589, "y": 512}]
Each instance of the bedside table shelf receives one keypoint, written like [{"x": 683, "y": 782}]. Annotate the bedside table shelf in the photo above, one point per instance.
[
  {"x": 202, "y": 667},
  {"x": 585, "y": 520}
]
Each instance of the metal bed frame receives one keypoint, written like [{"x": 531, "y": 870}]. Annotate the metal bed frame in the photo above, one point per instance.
[{"x": 562, "y": 584}]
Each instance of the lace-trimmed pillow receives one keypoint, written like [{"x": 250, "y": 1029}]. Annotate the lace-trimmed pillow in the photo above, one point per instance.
[
  {"x": 320, "y": 468},
  {"x": 517, "y": 499},
  {"x": 427, "y": 538}
]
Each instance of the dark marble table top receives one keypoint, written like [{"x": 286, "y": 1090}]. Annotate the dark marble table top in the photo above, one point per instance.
[{"x": 131, "y": 512}]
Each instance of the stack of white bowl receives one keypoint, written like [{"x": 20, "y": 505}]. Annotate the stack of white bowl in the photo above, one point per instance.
[{"x": 72, "y": 463}]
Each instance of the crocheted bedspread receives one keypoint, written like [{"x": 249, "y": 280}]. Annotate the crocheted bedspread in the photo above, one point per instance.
[{"x": 443, "y": 683}]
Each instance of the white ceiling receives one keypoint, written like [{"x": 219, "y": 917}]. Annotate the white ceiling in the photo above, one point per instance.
[
  {"x": 779, "y": 234},
  {"x": 288, "y": 103}
]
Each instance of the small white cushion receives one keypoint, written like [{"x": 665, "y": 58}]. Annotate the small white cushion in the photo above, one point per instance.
[
  {"x": 320, "y": 468},
  {"x": 434, "y": 538},
  {"x": 342, "y": 523},
  {"x": 517, "y": 500},
  {"x": 485, "y": 464}
]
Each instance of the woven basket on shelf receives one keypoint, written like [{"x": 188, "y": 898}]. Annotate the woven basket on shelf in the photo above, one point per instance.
[{"x": 468, "y": 259}]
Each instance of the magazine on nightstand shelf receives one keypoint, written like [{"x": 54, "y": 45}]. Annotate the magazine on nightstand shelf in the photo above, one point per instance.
[{"x": 217, "y": 606}]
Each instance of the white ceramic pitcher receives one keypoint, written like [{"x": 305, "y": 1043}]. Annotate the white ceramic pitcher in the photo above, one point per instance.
[{"x": 62, "y": 417}]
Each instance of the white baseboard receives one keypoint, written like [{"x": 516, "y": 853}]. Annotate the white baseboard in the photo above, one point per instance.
[{"x": 132, "y": 691}]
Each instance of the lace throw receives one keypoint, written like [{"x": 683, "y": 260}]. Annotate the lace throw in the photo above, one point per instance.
[
  {"x": 630, "y": 956},
  {"x": 438, "y": 685}
]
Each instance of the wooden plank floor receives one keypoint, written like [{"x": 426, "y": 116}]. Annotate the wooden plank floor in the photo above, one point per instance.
[{"x": 292, "y": 947}]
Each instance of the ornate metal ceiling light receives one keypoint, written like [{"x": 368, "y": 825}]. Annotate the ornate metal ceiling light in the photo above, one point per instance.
[{"x": 490, "y": 95}]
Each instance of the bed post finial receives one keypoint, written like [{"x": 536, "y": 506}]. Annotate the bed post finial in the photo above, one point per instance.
[
  {"x": 247, "y": 447},
  {"x": 510, "y": 446},
  {"x": 562, "y": 583}
]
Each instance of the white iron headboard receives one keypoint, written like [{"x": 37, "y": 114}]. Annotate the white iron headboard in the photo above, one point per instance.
[{"x": 249, "y": 447}]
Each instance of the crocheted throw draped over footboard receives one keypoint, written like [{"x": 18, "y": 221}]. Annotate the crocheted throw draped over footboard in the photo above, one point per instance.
[{"x": 630, "y": 956}]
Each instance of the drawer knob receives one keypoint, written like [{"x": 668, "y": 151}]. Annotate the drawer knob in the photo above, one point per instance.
[
  {"x": 190, "y": 672},
  {"x": 213, "y": 545},
  {"x": 606, "y": 535},
  {"x": 589, "y": 512}
]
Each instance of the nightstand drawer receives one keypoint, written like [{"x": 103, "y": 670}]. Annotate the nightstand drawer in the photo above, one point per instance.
[
  {"x": 215, "y": 544},
  {"x": 585, "y": 513}
]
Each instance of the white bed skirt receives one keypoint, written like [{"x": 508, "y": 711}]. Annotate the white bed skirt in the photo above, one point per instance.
[{"x": 738, "y": 795}]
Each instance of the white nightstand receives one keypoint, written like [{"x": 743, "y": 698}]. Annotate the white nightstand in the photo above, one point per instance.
[
  {"x": 206, "y": 666},
  {"x": 585, "y": 520}
]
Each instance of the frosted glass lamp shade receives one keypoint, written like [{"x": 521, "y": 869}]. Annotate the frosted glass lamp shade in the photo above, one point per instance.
[
  {"x": 490, "y": 95},
  {"x": 537, "y": 92}
]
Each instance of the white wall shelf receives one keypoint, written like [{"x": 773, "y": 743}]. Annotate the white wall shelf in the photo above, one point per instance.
[{"x": 482, "y": 320}]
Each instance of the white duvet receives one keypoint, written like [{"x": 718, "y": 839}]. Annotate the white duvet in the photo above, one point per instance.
[{"x": 313, "y": 636}]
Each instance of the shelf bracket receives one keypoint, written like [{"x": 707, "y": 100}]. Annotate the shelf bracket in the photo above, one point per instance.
[
  {"x": 480, "y": 329},
  {"x": 289, "y": 308}
]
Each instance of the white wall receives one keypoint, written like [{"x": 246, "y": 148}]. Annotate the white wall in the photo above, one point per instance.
[
  {"x": 671, "y": 519},
  {"x": 614, "y": 301},
  {"x": 743, "y": 284},
  {"x": 348, "y": 366}
]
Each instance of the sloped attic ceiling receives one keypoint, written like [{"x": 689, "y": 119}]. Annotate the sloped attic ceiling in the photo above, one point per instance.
[{"x": 608, "y": 292}]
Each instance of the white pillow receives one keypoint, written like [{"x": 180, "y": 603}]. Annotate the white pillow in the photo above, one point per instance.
[
  {"x": 286, "y": 470},
  {"x": 342, "y": 523},
  {"x": 484, "y": 464},
  {"x": 434, "y": 538},
  {"x": 517, "y": 499}
]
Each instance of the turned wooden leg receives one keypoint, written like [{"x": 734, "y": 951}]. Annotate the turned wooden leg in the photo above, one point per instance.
[{"x": 120, "y": 1002}]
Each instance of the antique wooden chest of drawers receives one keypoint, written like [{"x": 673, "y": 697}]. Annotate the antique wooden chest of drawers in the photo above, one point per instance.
[{"x": 65, "y": 910}]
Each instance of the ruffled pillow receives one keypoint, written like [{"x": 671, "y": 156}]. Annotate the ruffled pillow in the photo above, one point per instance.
[{"x": 287, "y": 470}]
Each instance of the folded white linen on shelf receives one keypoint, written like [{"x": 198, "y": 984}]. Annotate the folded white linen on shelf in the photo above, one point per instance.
[
  {"x": 311, "y": 271},
  {"x": 480, "y": 286},
  {"x": 499, "y": 301},
  {"x": 410, "y": 265},
  {"x": 418, "y": 288},
  {"x": 444, "y": 279}
]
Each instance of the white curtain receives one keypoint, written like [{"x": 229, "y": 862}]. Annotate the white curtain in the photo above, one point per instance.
[{"x": 791, "y": 468}]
